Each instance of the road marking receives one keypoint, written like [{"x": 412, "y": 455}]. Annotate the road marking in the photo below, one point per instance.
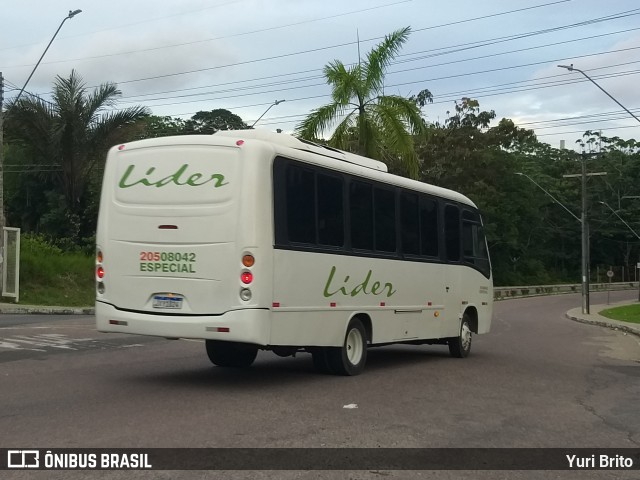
[{"x": 55, "y": 341}]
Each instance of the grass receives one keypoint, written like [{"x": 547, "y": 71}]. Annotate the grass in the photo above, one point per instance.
[
  {"x": 626, "y": 313},
  {"x": 49, "y": 276}
]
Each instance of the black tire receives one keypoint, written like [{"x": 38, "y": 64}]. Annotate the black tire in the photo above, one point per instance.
[
  {"x": 352, "y": 356},
  {"x": 460, "y": 346},
  {"x": 229, "y": 354},
  {"x": 321, "y": 360}
]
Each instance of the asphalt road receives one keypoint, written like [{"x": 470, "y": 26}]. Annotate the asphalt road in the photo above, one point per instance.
[{"x": 538, "y": 380}]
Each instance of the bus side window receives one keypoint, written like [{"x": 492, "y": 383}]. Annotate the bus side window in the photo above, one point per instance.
[
  {"x": 330, "y": 210},
  {"x": 385, "y": 219},
  {"x": 301, "y": 215},
  {"x": 452, "y": 232},
  {"x": 428, "y": 227},
  {"x": 410, "y": 223},
  {"x": 361, "y": 210}
]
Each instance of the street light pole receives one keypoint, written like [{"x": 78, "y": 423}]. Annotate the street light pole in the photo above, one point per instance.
[
  {"x": 571, "y": 68},
  {"x": 277, "y": 102},
  {"x": 71, "y": 15}
]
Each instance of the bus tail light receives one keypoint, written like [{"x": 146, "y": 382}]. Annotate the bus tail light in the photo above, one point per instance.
[
  {"x": 248, "y": 260},
  {"x": 100, "y": 288},
  {"x": 246, "y": 277}
]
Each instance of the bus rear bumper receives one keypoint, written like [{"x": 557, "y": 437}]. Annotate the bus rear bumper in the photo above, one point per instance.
[{"x": 247, "y": 326}]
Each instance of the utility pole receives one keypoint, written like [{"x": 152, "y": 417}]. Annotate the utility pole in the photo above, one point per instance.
[
  {"x": 585, "y": 231},
  {"x": 2, "y": 220}
]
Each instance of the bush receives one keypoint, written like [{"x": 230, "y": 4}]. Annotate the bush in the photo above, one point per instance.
[{"x": 51, "y": 276}]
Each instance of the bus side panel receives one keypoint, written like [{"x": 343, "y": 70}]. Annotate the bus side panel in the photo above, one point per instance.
[{"x": 317, "y": 294}]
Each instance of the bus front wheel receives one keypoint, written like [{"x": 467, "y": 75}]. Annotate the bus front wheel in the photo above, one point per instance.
[
  {"x": 460, "y": 346},
  {"x": 229, "y": 354},
  {"x": 352, "y": 356}
]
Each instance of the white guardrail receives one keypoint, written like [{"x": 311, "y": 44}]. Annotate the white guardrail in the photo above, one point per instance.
[{"x": 501, "y": 293}]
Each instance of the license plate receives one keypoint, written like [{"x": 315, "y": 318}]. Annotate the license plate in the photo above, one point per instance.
[{"x": 165, "y": 301}]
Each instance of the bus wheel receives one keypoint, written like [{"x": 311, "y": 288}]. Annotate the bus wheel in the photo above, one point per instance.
[
  {"x": 351, "y": 357},
  {"x": 460, "y": 346},
  {"x": 321, "y": 359},
  {"x": 229, "y": 354}
]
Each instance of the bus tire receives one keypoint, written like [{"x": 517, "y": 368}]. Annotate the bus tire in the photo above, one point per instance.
[
  {"x": 460, "y": 346},
  {"x": 321, "y": 359},
  {"x": 352, "y": 356},
  {"x": 229, "y": 354}
]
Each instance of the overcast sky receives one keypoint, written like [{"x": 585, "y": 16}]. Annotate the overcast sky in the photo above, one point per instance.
[{"x": 179, "y": 57}]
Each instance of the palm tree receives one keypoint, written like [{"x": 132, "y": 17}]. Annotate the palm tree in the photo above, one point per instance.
[
  {"x": 381, "y": 126},
  {"x": 72, "y": 132}
]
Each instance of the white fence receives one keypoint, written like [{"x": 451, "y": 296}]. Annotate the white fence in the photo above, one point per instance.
[{"x": 11, "y": 263}]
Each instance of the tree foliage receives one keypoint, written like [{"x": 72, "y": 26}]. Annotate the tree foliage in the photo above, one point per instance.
[
  {"x": 66, "y": 139},
  {"x": 372, "y": 124}
]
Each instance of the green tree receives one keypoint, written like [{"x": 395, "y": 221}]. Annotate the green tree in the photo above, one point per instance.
[
  {"x": 155, "y": 126},
  {"x": 374, "y": 125},
  {"x": 71, "y": 135},
  {"x": 468, "y": 155},
  {"x": 206, "y": 123}
]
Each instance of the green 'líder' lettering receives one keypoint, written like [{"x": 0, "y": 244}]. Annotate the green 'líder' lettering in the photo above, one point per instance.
[
  {"x": 331, "y": 288},
  {"x": 194, "y": 180}
]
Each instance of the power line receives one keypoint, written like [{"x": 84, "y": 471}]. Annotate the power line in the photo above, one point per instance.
[
  {"x": 483, "y": 17},
  {"x": 129, "y": 99}
]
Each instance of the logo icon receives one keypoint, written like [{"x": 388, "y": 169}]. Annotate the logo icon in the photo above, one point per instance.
[{"x": 23, "y": 459}]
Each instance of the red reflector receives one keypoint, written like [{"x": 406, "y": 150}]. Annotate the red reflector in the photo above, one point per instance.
[
  {"x": 429, "y": 304},
  {"x": 118, "y": 322},
  {"x": 222, "y": 329},
  {"x": 240, "y": 143},
  {"x": 246, "y": 277},
  {"x": 168, "y": 227},
  {"x": 121, "y": 147},
  {"x": 275, "y": 304},
  {"x": 332, "y": 304},
  {"x": 100, "y": 272},
  {"x": 382, "y": 304}
]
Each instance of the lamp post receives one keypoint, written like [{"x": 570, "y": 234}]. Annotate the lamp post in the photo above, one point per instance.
[
  {"x": 571, "y": 68},
  {"x": 72, "y": 13},
  {"x": 277, "y": 102}
]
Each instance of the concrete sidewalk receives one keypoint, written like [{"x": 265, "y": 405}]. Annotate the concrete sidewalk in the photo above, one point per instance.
[{"x": 594, "y": 318}]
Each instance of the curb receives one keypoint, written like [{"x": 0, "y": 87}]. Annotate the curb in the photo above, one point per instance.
[
  {"x": 6, "y": 309},
  {"x": 576, "y": 315}
]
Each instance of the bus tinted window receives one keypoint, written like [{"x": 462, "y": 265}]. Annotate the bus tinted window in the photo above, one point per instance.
[
  {"x": 474, "y": 246},
  {"x": 361, "y": 210},
  {"x": 330, "y": 211},
  {"x": 410, "y": 223},
  {"x": 428, "y": 227},
  {"x": 452, "y": 232},
  {"x": 385, "y": 219},
  {"x": 301, "y": 218}
]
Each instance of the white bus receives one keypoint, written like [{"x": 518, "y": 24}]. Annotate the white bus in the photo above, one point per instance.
[{"x": 256, "y": 240}]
